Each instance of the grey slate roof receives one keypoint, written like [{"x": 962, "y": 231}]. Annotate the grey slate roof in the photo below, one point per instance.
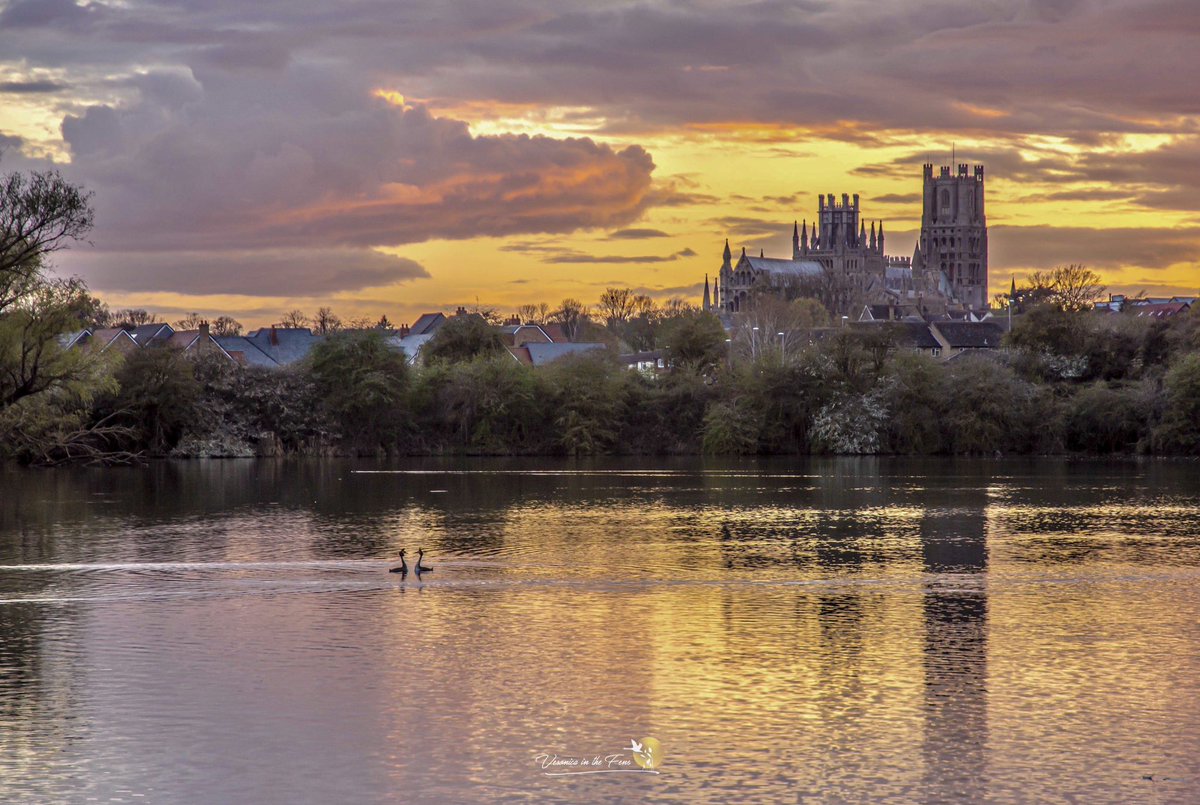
[
  {"x": 541, "y": 354},
  {"x": 785, "y": 269},
  {"x": 146, "y": 334},
  {"x": 410, "y": 344},
  {"x": 908, "y": 334},
  {"x": 250, "y": 355},
  {"x": 284, "y": 345},
  {"x": 971, "y": 334},
  {"x": 427, "y": 324}
]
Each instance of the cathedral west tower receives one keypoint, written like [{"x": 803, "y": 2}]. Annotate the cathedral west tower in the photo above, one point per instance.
[{"x": 954, "y": 234}]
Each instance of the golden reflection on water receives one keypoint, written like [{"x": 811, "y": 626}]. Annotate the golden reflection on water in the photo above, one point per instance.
[{"x": 838, "y": 631}]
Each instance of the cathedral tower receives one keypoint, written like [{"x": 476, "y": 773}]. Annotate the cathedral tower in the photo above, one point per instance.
[{"x": 954, "y": 233}]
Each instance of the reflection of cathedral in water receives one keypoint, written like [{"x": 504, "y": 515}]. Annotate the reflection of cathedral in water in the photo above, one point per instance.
[{"x": 954, "y": 542}]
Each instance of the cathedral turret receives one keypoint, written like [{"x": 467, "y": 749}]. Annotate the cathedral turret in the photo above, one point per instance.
[
  {"x": 795, "y": 240},
  {"x": 727, "y": 256},
  {"x": 881, "y": 237},
  {"x": 804, "y": 236},
  {"x": 707, "y": 304},
  {"x": 872, "y": 236},
  {"x": 862, "y": 229}
]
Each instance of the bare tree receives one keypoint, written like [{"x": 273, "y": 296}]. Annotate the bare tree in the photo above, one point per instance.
[
  {"x": 571, "y": 314},
  {"x": 191, "y": 321},
  {"x": 134, "y": 316},
  {"x": 294, "y": 319},
  {"x": 1076, "y": 287},
  {"x": 325, "y": 322},
  {"x": 677, "y": 306},
  {"x": 617, "y": 305},
  {"x": 226, "y": 326}
]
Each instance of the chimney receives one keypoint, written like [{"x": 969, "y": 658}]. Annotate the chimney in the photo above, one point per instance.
[
  {"x": 462, "y": 311},
  {"x": 274, "y": 337},
  {"x": 403, "y": 331},
  {"x": 204, "y": 329}
]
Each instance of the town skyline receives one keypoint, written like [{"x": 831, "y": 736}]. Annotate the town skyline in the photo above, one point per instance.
[{"x": 252, "y": 161}]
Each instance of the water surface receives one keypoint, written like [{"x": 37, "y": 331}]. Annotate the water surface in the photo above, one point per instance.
[{"x": 792, "y": 630}]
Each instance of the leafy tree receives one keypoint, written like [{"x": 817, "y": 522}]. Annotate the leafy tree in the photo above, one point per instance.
[
  {"x": 1179, "y": 429},
  {"x": 157, "y": 395},
  {"x": 40, "y": 213},
  {"x": 32, "y": 360},
  {"x": 1106, "y": 419},
  {"x": 731, "y": 427},
  {"x": 362, "y": 383},
  {"x": 588, "y": 394},
  {"x": 695, "y": 342},
  {"x": 462, "y": 338}
]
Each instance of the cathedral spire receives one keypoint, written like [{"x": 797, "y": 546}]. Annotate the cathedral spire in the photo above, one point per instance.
[
  {"x": 804, "y": 236},
  {"x": 725, "y": 256},
  {"x": 881, "y": 237},
  {"x": 707, "y": 304},
  {"x": 872, "y": 236},
  {"x": 862, "y": 233},
  {"x": 795, "y": 240}
]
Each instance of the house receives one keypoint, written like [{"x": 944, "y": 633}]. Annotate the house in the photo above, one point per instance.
[
  {"x": 516, "y": 334},
  {"x": 244, "y": 352},
  {"x": 556, "y": 333},
  {"x": 411, "y": 344},
  {"x": 1161, "y": 310},
  {"x": 960, "y": 336},
  {"x": 889, "y": 312},
  {"x": 427, "y": 324},
  {"x": 150, "y": 334},
  {"x": 650, "y": 362},
  {"x": 197, "y": 342},
  {"x": 913, "y": 336},
  {"x": 540, "y": 354},
  {"x": 284, "y": 345},
  {"x": 106, "y": 338}
]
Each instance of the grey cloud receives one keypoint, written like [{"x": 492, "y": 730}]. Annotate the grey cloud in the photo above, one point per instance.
[
  {"x": 39, "y": 87},
  {"x": 1045, "y": 247},
  {"x": 582, "y": 257},
  {"x": 255, "y": 272},
  {"x": 636, "y": 234}
]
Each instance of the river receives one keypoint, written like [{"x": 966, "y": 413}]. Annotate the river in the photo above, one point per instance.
[{"x": 814, "y": 630}]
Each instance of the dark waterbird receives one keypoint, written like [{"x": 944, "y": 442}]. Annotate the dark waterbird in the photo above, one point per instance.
[
  {"x": 420, "y": 567},
  {"x": 403, "y": 569}
]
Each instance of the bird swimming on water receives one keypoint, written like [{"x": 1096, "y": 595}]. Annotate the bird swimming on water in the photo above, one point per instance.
[
  {"x": 403, "y": 569},
  {"x": 420, "y": 567}
]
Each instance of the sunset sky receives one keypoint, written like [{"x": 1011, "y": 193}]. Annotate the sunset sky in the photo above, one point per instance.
[{"x": 395, "y": 157}]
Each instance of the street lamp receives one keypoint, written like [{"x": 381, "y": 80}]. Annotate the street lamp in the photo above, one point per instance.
[{"x": 844, "y": 320}]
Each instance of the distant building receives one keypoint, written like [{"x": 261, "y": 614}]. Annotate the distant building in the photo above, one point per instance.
[{"x": 847, "y": 266}]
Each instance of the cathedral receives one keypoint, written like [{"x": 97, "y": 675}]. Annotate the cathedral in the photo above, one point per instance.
[{"x": 846, "y": 266}]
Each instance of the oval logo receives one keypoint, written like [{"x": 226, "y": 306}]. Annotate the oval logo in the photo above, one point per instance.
[{"x": 650, "y": 756}]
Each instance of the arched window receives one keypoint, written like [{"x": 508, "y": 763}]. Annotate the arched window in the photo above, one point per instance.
[{"x": 945, "y": 199}]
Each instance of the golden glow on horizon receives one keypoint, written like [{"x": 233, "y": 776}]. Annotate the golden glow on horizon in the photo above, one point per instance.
[{"x": 736, "y": 173}]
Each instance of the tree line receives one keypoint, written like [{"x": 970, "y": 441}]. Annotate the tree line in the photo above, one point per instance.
[{"x": 782, "y": 381}]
